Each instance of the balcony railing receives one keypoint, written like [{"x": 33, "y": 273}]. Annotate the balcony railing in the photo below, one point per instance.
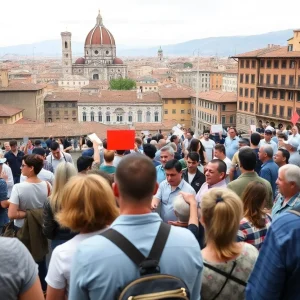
[
  {"x": 280, "y": 86},
  {"x": 280, "y": 117}
]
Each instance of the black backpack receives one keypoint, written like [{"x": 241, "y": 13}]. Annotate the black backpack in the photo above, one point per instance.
[{"x": 151, "y": 285}]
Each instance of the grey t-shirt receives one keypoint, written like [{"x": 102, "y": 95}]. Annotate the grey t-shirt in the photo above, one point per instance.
[
  {"x": 18, "y": 271},
  {"x": 295, "y": 158},
  {"x": 64, "y": 157},
  {"x": 28, "y": 196}
]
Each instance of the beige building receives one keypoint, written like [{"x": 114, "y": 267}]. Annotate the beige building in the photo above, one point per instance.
[
  {"x": 229, "y": 81},
  {"x": 27, "y": 96},
  {"x": 147, "y": 84},
  {"x": 189, "y": 78},
  {"x": 10, "y": 115},
  {"x": 72, "y": 82},
  {"x": 95, "y": 86},
  {"x": 141, "y": 71}
]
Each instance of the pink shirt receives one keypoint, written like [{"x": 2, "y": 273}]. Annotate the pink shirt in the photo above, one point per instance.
[{"x": 205, "y": 187}]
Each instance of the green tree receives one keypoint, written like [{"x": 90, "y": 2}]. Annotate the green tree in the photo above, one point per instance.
[
  {"x": 187, "y": 65},
  {"x": 122, "y": 84}
]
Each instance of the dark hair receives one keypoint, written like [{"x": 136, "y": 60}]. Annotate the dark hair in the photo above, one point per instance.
[
  {"x": 120, "y": 152},
  {"x": 194, "y": 156},
  {"x": 37, "y": 142},
  {"x": 282, "y": 136},
  {"x": 255, "y": 138},
  {"x": 285, "y": 154},
  {"x": 149, "y": 150},
  {"x": 159, "y": 137},
  {"x": 33, "y": 160},
  {"x": 84, "y": 162},
  {"x": 222, "y": 167},
  {"x": 280, "y": 125},
  {"x": 108, "y": 177},
  {"x": 244, "y": 141},
  {"x": 221, "y": 148},
  {"x": 138, "y": 141},
  {"x": 39, "y": 151},
  {"x": 173, "y": 164},
  {"x": 247, "y": 158},
  {"x": 233, "y": 128},
  {"x": 89, "y": 143},
  {"x": 206, "y": 131},
  {"x": 272, "y": 124},
  {"x": 13, "y": 143},
  {"x": 191, "y": 132},
  {"x": 193, "y": 148},
  {"x": 104, "y": 143},
  {"x": 173, "y": 138},
  {"x": 136, "y": 177},
  {"x": 54, "y": 146}
]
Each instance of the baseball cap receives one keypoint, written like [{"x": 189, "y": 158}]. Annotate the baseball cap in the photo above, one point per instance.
[
  {"x": 244, "y": 141},
  {"x": 292, "y": 142},
  {"x": 39, "y": 151},
  {"x": 270, "y": 128},
  {"x": 2, "y": 160},
  {"x": 268, "y": 131}
]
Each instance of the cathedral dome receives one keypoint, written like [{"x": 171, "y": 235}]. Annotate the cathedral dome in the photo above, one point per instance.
[
  {"x": 99, "y": 35},
  {"x": 80, "y": 61},
  {"x": 118, "y": 61}
]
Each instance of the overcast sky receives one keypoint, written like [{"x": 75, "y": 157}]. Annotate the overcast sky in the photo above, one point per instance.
[{"x": 144, "y": 22}]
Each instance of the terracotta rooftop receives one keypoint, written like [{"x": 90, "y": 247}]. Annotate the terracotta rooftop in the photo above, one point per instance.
[
  {"x": 62, "y": 96},
  {"x": 275, "y": 51},
  {"x": 28, "y": 121},
  {"x": 9, "y": 111},
  {"x": 95, "y": 84},
  {"x": 164, "y": 126},
  {"x": 217, "y": 96},
  {"x": 172, "y": 93},
  {"x": 21, "y": 86}
]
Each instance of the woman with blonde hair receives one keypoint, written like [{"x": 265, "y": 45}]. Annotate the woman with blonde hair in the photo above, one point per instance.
[
  {"x": 51, "y": 228},
  {"x": 88, "y": 207},
  {"x": 228, "y": 264},
  {"x": 255, "y": 223}
]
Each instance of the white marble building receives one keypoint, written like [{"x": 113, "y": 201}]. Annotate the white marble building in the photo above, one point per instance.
[{"x": 229, "y": 82}]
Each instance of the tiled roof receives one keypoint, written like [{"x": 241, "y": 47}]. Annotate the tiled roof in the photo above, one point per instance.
[
  {"x": 172, "y": 93},
  {"x": 9, "y": 111},
  {"x": 217, "y": 96},
  {"x": 62, "y": 96},
  {"x": 164, "y": 126},
  {"x": 96, "y": 84},
  {"x": 22, "y": 86},
  {"x": 28, "y": 121},
  {"x": 275, "y": 51}
]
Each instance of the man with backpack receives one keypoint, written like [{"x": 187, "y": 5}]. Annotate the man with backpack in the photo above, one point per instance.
[{"x": 139, "y": 249}]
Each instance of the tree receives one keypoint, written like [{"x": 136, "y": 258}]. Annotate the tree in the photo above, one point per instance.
[
  {"x": 187, "y": 65},
  {"x": 122, "y": 84}
]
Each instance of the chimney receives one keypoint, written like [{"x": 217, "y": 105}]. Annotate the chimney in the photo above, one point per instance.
[{"x": 4, "y": 78}]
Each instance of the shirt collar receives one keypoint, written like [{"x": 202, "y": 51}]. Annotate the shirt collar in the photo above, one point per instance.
[
  {"x": 136, "y": 219},
  {"x": 250, "y": 174},
  {"x": 267, "y": 162},
  {"x": 292, "y": 201},
  {"x": 218, "y": 184}
]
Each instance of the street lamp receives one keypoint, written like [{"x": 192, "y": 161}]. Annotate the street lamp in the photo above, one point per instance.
[{"x": 197, "y": 91}]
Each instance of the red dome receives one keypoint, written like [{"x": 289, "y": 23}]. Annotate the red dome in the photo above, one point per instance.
[
  {"x": 118, "y": 61},
  {"x": 80, "y": 61}
]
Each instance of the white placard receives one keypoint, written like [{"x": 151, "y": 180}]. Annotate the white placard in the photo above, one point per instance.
[
  {"x": 253, "y": 128},
  {"x": 93, "y": 137},
  {"x": 216, "y": 128},
  {"x": 179, "y": 126},
  {"x": 178, "y": 132},
  {"x": 145, "y": 133}
]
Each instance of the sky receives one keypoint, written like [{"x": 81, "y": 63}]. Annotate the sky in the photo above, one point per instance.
[{"x": 143, "y": 23}]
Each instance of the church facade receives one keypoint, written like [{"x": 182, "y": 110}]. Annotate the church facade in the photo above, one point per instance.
[{"x": 99, "y": 61}]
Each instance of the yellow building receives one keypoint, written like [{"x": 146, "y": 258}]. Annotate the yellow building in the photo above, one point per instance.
[
  {"x": 177, "y": 105},
  {"x": 10, "y": 115},
  {"x": 216, "y": 79}
]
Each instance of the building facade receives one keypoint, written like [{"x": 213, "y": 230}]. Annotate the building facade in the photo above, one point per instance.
[
  {"x": 269, "y": 84},
  {"x": 216, "y": 80},
  {"x": 10, "y": 115},
  {"x": 189, "y": 78},
  {"x": 229, "y": 81},
  {"x": 147, "y": 84}
]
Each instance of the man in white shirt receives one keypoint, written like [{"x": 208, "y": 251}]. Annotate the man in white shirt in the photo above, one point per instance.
[
  {"x": 187, "y": 141},
  {"x": 56, "y": 156},
  {"x": 220, "y": 153},
  {"x": 268, "y": 141},
  {"x": 209, "y": 145}
]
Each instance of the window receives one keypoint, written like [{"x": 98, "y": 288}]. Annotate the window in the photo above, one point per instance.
[
  {"x": 274, "y": 110},
  {"x": 223, "y": 107},
  {"x": 223, "y": 119},
  {"x": 49, "y": 112},
  {"x": 262, "y": 63},
  {"x": 246, "y": 106},
  {"x": 299, "y": 79},
  {"x": 283, "y": 64},
  {"x": 247, "y": 64},
  {"x": 261, "y": 78},
  {"x": 267, "y": 109},
  {"x": 130, "y": 117},
  {"x": 246, "y": 92},
  {"x": 290, "y": 96},
  {"x": 247, "y": 78},
  {"x": 99, "y": 116},
  {"x": 253, "y": 79},
  {"x": 84, "y": 116},
  {"x": 139, "y": 114},
  {"x": 298, "y": 96},
  {"x": 281, "y": 111},
  {"x": 119, "y": 118},
  {"x": 291, "y": 80},
  {"x": 292, "y": 64},
  {"x": 108, "y": 117},
  {"x": 283, "y": 79},
  {"x": 166, "y": 111},
  {"x": 290, "y": 47},
  {"x": 253, "y": 64},
  {"x": 173, "y": 111},
  {"x": 242, "y": 63},
  {"x": 252, "y": 93},
  {"x": 66, "y": 45},
  {"x": 65, "y": 112},
  {"x": 182, "y": 101},
  {"x": 57, "y": 112},
  {"x": 260, "y": 108},
  {"x": 174, "y": 101},
  {"x": 268, "y": 78},
  {"x": 92, "y": 116},
  {"x": 275, "y": 94},
  {"x": 73, "y": 104},
  {"x": 148, "y": 116},
  {"x": 182, "y": 111},
  {"x": 282, "y": 95},
  {"x": 251, "y": 107},
  {"x": 275, "y": 79},
  {"x": 156, "y": 116},
  {"x": 269, "y": 64},
  {"x": 289, "y": 112},
  {"x": 261, "y": 93},
  {"x": 267, "y": 94},
  {"x": 241, "y": 92},
  {"x": 276, "y": 64},
  {"x": 240, "y": 105},
  {"x": 241, "y": 78}
]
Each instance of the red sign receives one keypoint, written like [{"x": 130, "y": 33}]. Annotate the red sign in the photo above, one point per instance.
[
  {"x": 295, "y": 118},
  {"x": 120, "y": 139}
]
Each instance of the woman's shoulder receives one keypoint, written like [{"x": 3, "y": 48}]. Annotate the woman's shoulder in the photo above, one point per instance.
[{"x": 249, "y": 253}]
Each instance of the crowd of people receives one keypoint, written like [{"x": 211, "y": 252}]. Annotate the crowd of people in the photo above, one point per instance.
[{"x": 176, "y": 217}]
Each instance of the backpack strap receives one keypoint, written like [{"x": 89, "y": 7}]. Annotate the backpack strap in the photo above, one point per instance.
[{"x": 133, "y": 253}]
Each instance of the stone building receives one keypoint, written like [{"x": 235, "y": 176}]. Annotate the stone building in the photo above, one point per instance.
[
  {"x": 10, "y": 115},
  {"x": 189, "y": 78}
]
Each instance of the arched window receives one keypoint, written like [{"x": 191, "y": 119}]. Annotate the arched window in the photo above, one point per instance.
[
  {"x": 84, "y": 116},
  {"x": 156, "y": 116},
  {"x": 108, "y": 116},
  {"x": 139, "y": 114},
  {"x": 130, "y": 117},
  {"x": 148, "y": 116},
  {"x": 66, "y": 45},
  {"x": 99, "y": 116},
  {"x": 92, "y": 116}
]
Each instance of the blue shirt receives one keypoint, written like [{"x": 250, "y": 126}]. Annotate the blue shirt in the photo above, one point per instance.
[
  {"x": 160, "y": 174},
  {"x": 157, "y": 156},
  {"x": 277, "y": 270},
  {"x": 100, "y": 268},
  {"x": 88, "y": 152},
  {"x": 232, "y": 146},
  {"x": 271, "y": 143},
  {"x": 167, "y": 196},
  {"x": 15, "y": 162},
  {"x": 269, "y": 171},
  {"x": 156, "y": 163},
  {"x": 278, "y": 208}
]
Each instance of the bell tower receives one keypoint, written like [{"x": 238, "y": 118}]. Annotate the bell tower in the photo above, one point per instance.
[
  {"x": 66, "y": 53},
  {"x": 160, "y": 54}
]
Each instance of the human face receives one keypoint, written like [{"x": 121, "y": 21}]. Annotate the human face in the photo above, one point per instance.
[
  {"x": 26, "y": 170},
  {"x": 294, "y": 130},
  {"x": 283, "y": 185},
  {"x": 212, "y": 174},
  {"x": 56, "y": 153},
  {"x": 268, "y": 137},
  {"x": 173, "y": 177},
  {"x": 206, "y": 136},
  {"x": 219, "y": 154},
  {"x": 261, "y": 154},
  {"x": 281, "y": 143},
  {"x": 164, "y": 157},
  {"x": 14, "y": 148},
  {"x": 279, "y": 159},
  {"x": 189, "y": 136},
  {"x": 176, "y": 140},
  {"x": 192, "y": 166},
  {"x": 231, "y": 133},
  {"x": 6, "y": 146}
]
